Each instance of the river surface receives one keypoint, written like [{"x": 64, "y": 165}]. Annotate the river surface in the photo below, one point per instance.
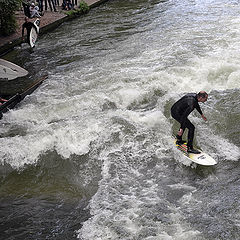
[{"x": 89, "y": 155}]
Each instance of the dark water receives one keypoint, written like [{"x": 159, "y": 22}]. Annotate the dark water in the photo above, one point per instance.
[{"x": 89, "y": 155}]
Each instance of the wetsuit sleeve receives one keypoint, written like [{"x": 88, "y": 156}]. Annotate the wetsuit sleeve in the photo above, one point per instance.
[{"x": 198, "y": 109}]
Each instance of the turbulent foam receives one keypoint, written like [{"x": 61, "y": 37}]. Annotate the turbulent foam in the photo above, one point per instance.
[
  {"x": 130, "y": 205},
  {"x": 110, "y": 92},
  {"x": 61, "y": 130}
]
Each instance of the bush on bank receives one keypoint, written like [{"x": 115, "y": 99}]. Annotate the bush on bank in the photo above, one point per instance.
[
  {"x": 8, "y": 22},
  {"x": 82, "y": 8}
]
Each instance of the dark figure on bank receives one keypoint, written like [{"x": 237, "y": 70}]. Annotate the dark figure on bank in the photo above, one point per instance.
[
  {"x": 40, "y": 5},
  {"x": 66, "y": 5},
  {"x": 26, "y": 9},
  {"x": 51, "y": 4},
  {"x": 180, "y": 111},
  {"x": 56, "y": 2},
  {"x": 74, "y": 1},
  {"x": 28, "y": 25}
]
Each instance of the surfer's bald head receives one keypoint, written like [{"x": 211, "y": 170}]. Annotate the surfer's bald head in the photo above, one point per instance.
[{"x": 202, "y": 96}]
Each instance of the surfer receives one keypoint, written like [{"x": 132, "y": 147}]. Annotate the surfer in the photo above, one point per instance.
[
  {"x": 28, "y": 25},
  {"x": 180, "y": 111}
]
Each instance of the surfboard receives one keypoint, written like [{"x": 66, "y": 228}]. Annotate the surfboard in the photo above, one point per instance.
[
  {"x": 33, "y": 35},
  {"x": 9, "y": 70},
  {"x": 201, "y": 158}
]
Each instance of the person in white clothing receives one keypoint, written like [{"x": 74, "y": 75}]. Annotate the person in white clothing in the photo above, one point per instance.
[{"x": 34, "y": 11}]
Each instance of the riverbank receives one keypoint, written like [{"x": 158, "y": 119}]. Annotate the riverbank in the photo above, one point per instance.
[{"x": 49, "y": 21}]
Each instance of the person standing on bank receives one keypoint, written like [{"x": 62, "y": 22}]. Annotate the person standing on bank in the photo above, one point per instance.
[
  {"x": 40, "y": 5},
  {"x": 51, "y": 5},
  {"x": 34, "y": 11},
  {"x": 28, "y": 25},
  {"x": 180, "y": 111}
]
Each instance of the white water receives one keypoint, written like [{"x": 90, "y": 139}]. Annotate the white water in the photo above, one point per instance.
[{"x": 112, "y": 80}]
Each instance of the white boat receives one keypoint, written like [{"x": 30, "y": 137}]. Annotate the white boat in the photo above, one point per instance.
[{"x": 9, "y": 71}]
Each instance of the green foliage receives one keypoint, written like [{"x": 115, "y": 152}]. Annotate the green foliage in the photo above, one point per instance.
[
  {"x": 83, "y": 7},
  {"x": 8, "y": 25},
  {"x": 71, "y": 12},
  {"x": 7, "y": 16}
]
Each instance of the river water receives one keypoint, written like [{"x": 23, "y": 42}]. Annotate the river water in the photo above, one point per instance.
[{"x": 89, "y": 154}]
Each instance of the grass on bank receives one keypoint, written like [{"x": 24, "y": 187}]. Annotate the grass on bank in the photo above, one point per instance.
[{"x": 82, "y": 8}]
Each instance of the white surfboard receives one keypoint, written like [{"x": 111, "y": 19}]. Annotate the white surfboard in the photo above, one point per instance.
[
  {"x": 201, "y": 158},
  {"x": 9, "y": 70},
  {"x": 34, "y": 33}
]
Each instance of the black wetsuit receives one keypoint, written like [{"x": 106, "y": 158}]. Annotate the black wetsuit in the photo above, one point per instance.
[
  {"x": 28, "y": 26},
  {"x": 180, "y": 111}
]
